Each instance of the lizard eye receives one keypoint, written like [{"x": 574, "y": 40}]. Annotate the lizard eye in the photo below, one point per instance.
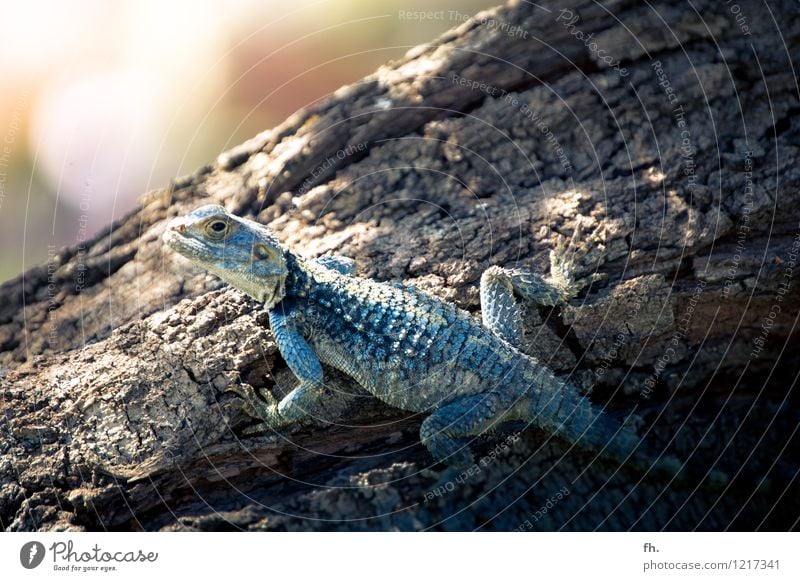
[{"x": 217, "y": 229}]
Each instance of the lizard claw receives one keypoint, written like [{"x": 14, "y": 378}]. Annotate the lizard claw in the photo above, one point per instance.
[
  {"x": 564, "y": 260},
  {"x": 260, "y": 405}
]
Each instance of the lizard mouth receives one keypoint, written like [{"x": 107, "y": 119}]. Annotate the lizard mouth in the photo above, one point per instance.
[
  {"x": 178, "y": 240},
  {"x": 171, "y": 238}
]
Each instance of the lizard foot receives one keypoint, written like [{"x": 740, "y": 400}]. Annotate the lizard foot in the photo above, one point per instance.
[
  {"x": 564, "y": 260},
  {"x": 260, "y": 405}
]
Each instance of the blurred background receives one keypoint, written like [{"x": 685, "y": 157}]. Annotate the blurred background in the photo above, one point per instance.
[{"x": 102, "y": 101}]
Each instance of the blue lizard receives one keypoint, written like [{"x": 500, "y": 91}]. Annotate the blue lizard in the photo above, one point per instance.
[{"x": 409, "y": 349}]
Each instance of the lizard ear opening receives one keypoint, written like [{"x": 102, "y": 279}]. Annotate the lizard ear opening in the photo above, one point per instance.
[{"x": 263, "y": 252}]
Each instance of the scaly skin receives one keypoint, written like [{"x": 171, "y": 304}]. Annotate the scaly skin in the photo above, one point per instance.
[{"x": 410, "y": 350}]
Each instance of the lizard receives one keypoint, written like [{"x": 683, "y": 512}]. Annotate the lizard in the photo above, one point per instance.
[{"x": 409, "y": 349}]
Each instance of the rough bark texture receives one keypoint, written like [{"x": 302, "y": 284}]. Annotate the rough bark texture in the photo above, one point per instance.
[{"x": 116, "y": 356}]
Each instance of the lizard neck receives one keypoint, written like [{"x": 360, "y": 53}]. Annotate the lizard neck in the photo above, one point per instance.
[{"x": 299, "y": 278}]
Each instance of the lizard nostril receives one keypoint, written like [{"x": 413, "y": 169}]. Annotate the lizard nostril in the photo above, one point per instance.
[{"x": 180, "y": 228}]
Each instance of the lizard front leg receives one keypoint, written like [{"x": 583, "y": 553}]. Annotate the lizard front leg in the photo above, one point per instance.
[{"x": 304, "y": 401}]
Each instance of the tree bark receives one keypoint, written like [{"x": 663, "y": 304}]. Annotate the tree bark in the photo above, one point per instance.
[{"x": 666, "y": 133}]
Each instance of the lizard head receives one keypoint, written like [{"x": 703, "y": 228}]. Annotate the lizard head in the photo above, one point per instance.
[{"x": 241, "y": 252}]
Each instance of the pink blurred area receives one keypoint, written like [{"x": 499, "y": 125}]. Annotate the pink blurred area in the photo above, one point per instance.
[{"x": 103, "y": 101}]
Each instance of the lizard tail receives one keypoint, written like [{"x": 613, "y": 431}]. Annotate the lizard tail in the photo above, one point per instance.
[{"x": 575, "y": 418}]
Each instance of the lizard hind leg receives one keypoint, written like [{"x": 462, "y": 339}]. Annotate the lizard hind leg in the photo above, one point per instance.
[
  {"x": 500, "y": 310},
  {"x": 446, "y": 431},
  {"x": 500, "y": 286}
]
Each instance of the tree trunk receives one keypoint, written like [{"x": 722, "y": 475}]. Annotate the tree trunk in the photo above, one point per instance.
[{"x": 669, "y": 137}]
